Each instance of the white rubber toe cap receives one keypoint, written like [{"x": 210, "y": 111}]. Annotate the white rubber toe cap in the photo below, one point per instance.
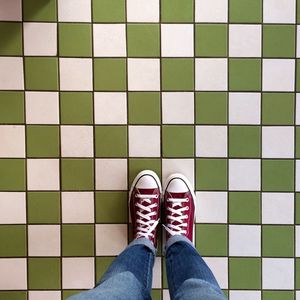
[
  {"x": 146, "y": 182},
  {"x": 177, "y": 185}
]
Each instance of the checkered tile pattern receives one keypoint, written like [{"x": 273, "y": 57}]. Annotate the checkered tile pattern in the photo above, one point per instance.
[{"x": 93, "y": 91}]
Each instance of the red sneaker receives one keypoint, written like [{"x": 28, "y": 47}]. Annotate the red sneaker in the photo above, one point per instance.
[
  {"x": 179, "y": 207},
  {"x": 144, "y": 205}
]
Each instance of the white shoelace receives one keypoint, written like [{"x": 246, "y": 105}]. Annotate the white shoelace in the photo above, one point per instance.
[
  {"x": 145, "y": 228},
  {"x": 178, "y": 229}
]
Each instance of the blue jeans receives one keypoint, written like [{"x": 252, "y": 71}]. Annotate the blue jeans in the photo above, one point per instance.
[{"x": 129, "y": 277}]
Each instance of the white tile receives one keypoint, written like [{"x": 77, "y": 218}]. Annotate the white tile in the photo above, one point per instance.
[
  {"x": 279, "y": 11},
  {"x": 109, "y": 40},
  {"x": 244, "y": 108},
  {"x": 111, "y": 174},
  {"x": 183, "y": 166},
  {"x": 244, "y": 174},
  {"x": 12, "y": 208},
  {"x": 156, "y": 282},
  {"x": 144, "y": 141},
  {"x": 43, "y": 174},
  {"x": 278, "y": 273},
  {"x": 297, "y": 295},
  {"x": 40, "y": 38},
  {"x": 277, "y": 141},
  {"x": 214, "y": 11},
  {"x": 219, "y": 267},
  {"x": 111, "y": 239},
  {"x": 244, "y": 40},
  {"x": 211, "y": 141},
  {"x": 297, "y": 242},
  {"x": 211, "y": 207},
  {"x": 76, "y": 141},
  {"x": 178, "y": 108},
  {"x": 297, "y": 109},
  {"x": 44, "y": 295},
  {"x": 211, "y": 74},
  {"x": 278, "y": 74},
  {"x": 143, "y": 74},
  {"x": 11, "y": 73},
  {"x": 106, "y": 103},
  {"x": 12, "y": 141},
  {"x": 245, "y": 295},
  {"x": 143, "y": 10},
  {"x": 77, "y": 207},
  {"x": 297, "y": 175},
  {"x": 72, "y": 267},
  {"x": 74, "y": 10},
  {"x": 42, "y": 107},
  {"x": 43, "y": 240},
  {"x": 177, "y": 40},
  {"x": 11, "y": 10},
  {"x": 244, "y": 240},
  {"x": 13, "y": 274},
  {"x": 278, "y": 208},
  {"x": 76, "y": 74},
  {"x": 166, "y": 295}
]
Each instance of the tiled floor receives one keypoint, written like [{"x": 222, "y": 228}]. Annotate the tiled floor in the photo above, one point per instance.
[{"x": 92, "y": 91}]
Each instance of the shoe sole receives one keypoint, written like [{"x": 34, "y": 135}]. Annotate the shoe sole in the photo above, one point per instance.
[{"x": 191, "y": 189}]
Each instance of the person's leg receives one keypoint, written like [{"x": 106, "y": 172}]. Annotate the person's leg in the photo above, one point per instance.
[
  {"x": 130, "y": 275},
  {"x": 189, "y": 277}
]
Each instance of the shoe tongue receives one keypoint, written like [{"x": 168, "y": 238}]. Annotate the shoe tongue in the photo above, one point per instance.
[
  {"x": 148, "y": 192},
  {"x": 176, "y": 206}
]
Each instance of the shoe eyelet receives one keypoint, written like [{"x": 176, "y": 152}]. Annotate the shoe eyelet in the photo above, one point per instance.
[{"x": 187, "y": 208}]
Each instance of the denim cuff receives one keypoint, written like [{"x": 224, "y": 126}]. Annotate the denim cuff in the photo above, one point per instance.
[
  {"x": 143, "y": 241},
  {"x": 177, "y": 238}
]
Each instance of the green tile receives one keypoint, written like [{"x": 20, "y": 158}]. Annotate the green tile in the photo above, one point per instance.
[
  {"x": 164, "y": 274},
  {"x": 297, "y": 272},
  {"x": 13, "y": 295},
  {"x": 177, "y": 74},
  {"x": 137, "y": 165},
  {"x": 278, "y": 108},
  {"x": 77, "y": 174},
  {"x": 77, "y": 240},
  {"x": 111, "y": 207},
  {"x": 156, "y": 294},
  {"x": 244, "y": 207},
  {"x": 11, "y": 38},
  {"x": 297, "y": 75},
  {"x": 141, "y": 102},
  {"x": 297, "y": 141},
  {"x": 42, "y": 141},
  {"x": 111, "y": 141},
  {"x": 75, "y": 39},
  {"x": 44, "y": 273},
  {"x": 43, "y": 207},
  {"x": 42, "y": 10},
  {"x": 278, "y": 41},
  {"x": 278, "y": 295},
  {"x": 297, "y": 204},
  {"x": 211, "y": 239},
  {"x": 12, "y": 241},
  {"x": 211, "y": 108},
  {"x": 68, "y": 293},
  {"x": 174, "y": 11},
  {"x": 211, "y": 174},
  {"x": 110, "y": 74},
  {"x": 245, "y": 273},
  {"x": 12, "y": 174},
  {"x": 277, "y": 175},
  {"x": 245, "y": 11},
  {"x": 177, "y": 141},
  {"x": 11, "y": 107},
  {"x": 109, "y": 11},
  {"x": 298, "y": 11},
  {"x": 244, "y": 74},
  {"x": 277, "y": 241},
  {"x": 41, "y": 73},
  {"x": 143, "y": 40},
  {"x": 211, "y": 40},
  {"x": 102, "y": 264},
  {"x": 76, "y": 107},
  {"x": 244, "y": 141}
]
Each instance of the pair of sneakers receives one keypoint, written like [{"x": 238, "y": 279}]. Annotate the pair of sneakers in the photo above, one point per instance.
[{"x": 178, "y": 206}]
